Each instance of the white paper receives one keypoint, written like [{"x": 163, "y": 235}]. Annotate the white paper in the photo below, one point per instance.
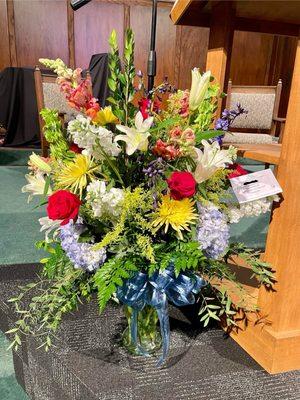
[{"x": 254, "y": 186}]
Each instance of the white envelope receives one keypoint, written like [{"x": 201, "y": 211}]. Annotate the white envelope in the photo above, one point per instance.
[{"x": 254, "y": 186}]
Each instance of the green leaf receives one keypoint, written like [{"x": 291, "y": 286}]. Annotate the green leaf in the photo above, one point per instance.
[
  {"x": 112, "y": 84},
  {"x": 12, "y": 331},
  {"x": 47, "y": 185}
]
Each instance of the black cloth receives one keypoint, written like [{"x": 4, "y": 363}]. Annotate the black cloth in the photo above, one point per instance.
[
  {"x": 18, "y": 108},
  {"x": 99, "y": 73}
]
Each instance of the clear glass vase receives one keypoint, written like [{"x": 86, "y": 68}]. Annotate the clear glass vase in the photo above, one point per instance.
[{"x": 148, "y": 334}]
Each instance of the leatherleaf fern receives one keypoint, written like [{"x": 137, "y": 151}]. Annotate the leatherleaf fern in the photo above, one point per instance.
[{"x": 111, "y": 275}]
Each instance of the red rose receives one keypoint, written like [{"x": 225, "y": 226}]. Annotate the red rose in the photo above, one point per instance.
[
  {"x": 63, "y": 205},
  {"x": 181, "y": 184},
  {"x": 237, "y": 170}
]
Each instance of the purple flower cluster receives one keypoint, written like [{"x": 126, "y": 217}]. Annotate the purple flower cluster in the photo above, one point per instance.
[
  {"x": 81, "y": 254},
  {"x": 228, "y": 116},
  {"x": 212, "y": 231},
  {"x": 154, "y": 170}
]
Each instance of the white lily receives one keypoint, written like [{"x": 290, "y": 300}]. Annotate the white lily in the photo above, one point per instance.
[
  {"x": 198, "y": 89},
  {"x": 39, "y": 163},
  {"x": 35, "y": 186},
  {"x": 136, "y": 138},
  {"x": 211, "y": 159},
  {"x": 48, "y": 225}
]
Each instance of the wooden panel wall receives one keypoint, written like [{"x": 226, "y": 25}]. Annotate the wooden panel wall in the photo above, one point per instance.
[
  {"x": 4, "y": 42},
  {"x": 251, "y": 53},
  {"x": 92, "y": 26},
  {"x": 31, "y": 29},
  {"x": 41, "y": 30}
]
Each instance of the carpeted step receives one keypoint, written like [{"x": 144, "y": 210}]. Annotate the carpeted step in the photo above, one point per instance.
[{"x": 12, "y": 156}]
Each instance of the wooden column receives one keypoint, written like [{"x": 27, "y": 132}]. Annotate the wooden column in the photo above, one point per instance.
[
  {"x": 277, "y": 346},
  {"x": 283, "y": 243},
  {"x": 220, "y": 42}
]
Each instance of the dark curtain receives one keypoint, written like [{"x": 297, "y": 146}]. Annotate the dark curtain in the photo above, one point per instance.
[
  {"x": 18, "y": 109},
  {"x": 99, "y": 72}
]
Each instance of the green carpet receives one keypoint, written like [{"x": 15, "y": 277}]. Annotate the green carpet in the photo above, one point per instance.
[
  {"x": 10, "y": 156},
  {"x": 19, "y": 226},
  {"x": 9, "y": 387}
]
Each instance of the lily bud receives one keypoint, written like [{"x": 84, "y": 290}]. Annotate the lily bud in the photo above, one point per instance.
[
  {"x": 39, "y": 163},
  {"x": 198, "y": 88}
]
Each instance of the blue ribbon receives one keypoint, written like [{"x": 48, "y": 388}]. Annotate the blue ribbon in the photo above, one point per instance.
[{"x": 156, "y": 291}]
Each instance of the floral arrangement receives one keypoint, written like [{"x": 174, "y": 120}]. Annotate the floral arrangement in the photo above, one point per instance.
[{"x": 138, "y": 204}]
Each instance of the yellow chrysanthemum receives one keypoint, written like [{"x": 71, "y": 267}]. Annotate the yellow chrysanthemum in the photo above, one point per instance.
[
  {"x": 177, "y": 213},
  {"x": 75, "y": 175}
]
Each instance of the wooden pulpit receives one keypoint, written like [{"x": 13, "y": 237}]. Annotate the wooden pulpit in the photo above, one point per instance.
[{"x": 276, "y": 346}]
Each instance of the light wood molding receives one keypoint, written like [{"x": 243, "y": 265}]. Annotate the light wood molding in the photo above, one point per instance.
[
  {"x": 71, "y": 38},
  {"x": 267, "y": 153},
  {"x": 220, "y": 44}
]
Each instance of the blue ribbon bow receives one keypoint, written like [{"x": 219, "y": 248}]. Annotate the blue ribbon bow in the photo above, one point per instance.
[{"x": 155, "y": 291}]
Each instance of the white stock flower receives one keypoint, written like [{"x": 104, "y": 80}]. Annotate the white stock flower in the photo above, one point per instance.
[
  {"x": 103, "y": 201},
  {"x": 136, "y": 138},
  {"x": 251, "y": 208},
  {"x": 198, "y": 89},
  {"x": 90, "y": 137},
  {"x": 35, "y": 186},
  {"x": 211, "y": 159}
]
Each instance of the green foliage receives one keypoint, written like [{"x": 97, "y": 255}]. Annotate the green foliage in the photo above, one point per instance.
[
  {"x": 215, "y": 189},
  {"x": 187, "y": 255},
  {"x": 262, "y": 271},
  {"x": 184, "y": 256},
  {"x": 207, "y": 109},
  {"x": 206, "y": 135},
  {"x": 135, "y": 204},
  {"x": 111, "y": 275},
  {"x": 51, "y": 299},
  {"x": 145, "y": 247},
  {"x": 218, "y": 306},
  {"x": 55, "y": 264},
  {"x": 59, "y": 147},
  {"x": 121, "y": 77}
]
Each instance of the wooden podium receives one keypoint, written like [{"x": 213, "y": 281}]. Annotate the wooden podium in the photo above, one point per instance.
[{"x": 276, "y": 346}]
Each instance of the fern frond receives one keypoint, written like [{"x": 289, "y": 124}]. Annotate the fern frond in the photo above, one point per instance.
[{"x": 111, "y": 275}]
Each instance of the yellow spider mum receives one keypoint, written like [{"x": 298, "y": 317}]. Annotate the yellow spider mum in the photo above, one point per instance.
[
  {"x": 75, "y": 175},
  {"x": 177, "y": 213}
]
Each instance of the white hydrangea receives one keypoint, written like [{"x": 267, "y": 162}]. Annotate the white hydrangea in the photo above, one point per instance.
[
  {"x": 251, "y": 208},
  {"x": 88, "y": 137},
  {"x": 103, "y": 201}
]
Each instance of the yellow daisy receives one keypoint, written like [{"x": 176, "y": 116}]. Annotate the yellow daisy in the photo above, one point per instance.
[
  {"x": 177, "y": 213},
  {"x": 76, "y": 174}
]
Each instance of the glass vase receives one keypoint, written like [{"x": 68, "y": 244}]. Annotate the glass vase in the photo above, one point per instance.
[{"x": 148, "y": 334}]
